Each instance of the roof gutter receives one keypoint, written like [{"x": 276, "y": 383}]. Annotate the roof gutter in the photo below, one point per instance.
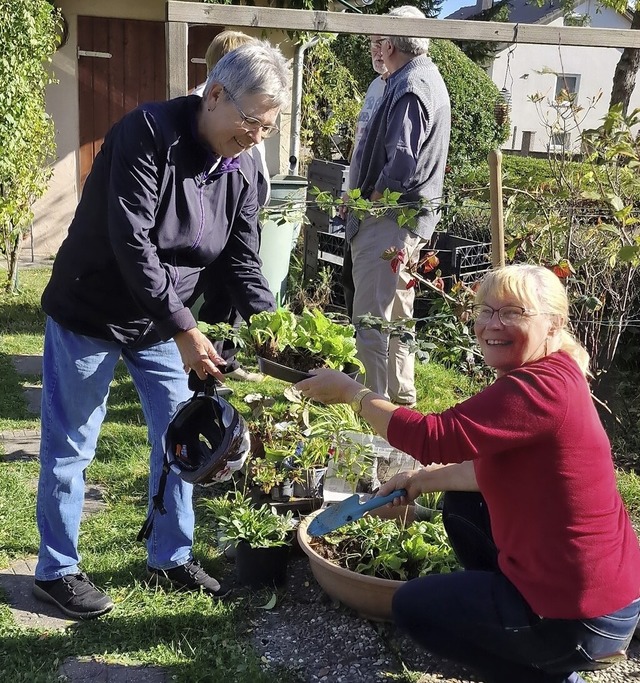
[{"x": 296, "y": 104}]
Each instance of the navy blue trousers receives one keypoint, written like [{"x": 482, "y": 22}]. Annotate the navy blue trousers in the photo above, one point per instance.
[{"x": 478, "y": 618}]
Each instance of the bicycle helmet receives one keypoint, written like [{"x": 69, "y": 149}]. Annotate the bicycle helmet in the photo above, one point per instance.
[{"x": 206, "y": 440}]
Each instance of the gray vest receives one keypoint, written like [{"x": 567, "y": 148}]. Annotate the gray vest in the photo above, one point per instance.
[{"x": 421, "y": 77}]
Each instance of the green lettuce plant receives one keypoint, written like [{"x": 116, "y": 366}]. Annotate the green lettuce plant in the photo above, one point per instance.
[{"x": 311, "y": 334}]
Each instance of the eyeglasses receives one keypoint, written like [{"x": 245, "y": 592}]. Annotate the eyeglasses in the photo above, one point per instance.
[
  {"x": 508, "y": 315},
  {"x": 251, "y": 123}
]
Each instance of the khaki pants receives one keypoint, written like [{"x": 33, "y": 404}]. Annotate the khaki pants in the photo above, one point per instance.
[{"x": 382, "y": 293}]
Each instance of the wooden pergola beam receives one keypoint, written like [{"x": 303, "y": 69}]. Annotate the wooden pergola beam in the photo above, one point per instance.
[{"x": 340, "y": 22}]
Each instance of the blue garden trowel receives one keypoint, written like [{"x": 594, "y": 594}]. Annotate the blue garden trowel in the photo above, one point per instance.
[{"x": 349, "y": 509}]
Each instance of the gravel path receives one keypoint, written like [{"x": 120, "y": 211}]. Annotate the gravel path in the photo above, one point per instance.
[{"x": 328, "y": 643}]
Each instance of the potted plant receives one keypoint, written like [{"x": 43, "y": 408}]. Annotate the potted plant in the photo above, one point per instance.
[
  {"x": 429, "y": 505},
  {"x": 363, "y": 563},
  {"x": 262, "y": 538},
  {"x": 308, "y": 466},
  {"x": 288, "y": 346}
]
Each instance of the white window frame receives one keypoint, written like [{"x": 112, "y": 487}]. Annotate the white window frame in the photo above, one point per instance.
[
  {"x": 560, "y": 146},
  {"x": 561, "y": 84}
]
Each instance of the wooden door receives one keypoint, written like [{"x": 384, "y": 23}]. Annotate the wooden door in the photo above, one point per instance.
[
  {"x": 121, "y": 64},
  {"x": 199, "y": 39}
]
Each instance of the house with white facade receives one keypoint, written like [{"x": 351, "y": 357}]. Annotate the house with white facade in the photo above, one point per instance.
[{"x": 540, "y": 80}]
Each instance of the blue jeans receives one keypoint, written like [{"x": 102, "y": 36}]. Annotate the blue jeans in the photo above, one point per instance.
[
  {"x": 77, "y": 372},
  {"x": 478, "y": 618}
]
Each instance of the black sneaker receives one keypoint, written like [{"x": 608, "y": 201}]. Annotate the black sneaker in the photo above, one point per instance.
[
  {"x": 189, "y": 576},
  {"x": 75, "y": 595}
]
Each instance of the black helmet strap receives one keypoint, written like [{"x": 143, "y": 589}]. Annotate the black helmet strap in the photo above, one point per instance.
[
  {"x": 158, "y": 499},
  {"x": 158, "y": 504}
]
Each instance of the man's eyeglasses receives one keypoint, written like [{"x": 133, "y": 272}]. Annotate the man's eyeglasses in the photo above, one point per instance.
[
  {"x": 508, "y": 315},
  {"x": 251, "y": 123}
]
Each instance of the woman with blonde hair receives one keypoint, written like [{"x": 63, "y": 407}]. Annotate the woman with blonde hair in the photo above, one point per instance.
[{"x": 551, "y": 560}]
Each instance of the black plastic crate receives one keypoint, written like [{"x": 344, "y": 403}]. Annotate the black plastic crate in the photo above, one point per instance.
[
  {"x": 459, "y": 257},
  {"x": 330, "y": 244},
  {"x": 327, "y": 176}
]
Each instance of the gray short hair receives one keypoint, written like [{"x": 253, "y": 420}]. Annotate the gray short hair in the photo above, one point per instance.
[
  {"x": 256, "y": 68},
  {"x": 410, "y": 46}
]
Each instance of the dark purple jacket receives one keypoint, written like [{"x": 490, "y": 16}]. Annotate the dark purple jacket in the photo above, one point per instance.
[{"x": 150, "y": 219}]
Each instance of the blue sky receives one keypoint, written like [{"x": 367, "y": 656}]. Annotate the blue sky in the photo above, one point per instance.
[{"x": 449, "y": 6}]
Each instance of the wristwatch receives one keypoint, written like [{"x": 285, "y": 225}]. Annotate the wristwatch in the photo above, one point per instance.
[{"x": 356, "y": 401}]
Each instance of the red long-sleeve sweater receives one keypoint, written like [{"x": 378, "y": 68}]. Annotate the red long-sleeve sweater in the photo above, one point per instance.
[{"x": 543, "y": 463}]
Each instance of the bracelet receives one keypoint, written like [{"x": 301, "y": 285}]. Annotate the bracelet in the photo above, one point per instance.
[{"x": 356, "y": 401}]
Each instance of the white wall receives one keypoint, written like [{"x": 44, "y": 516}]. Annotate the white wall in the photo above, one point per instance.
[{"x": 521, "y": 69}]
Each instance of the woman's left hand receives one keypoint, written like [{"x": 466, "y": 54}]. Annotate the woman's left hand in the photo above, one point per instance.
[{"x": 329, "y": 386}]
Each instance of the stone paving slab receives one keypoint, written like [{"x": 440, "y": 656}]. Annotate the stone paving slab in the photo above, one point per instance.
[
  {"x": 17, "y": 580},
  {"x": 27, "y": 364},
  {"x": 33, "y": 396},
  {"x": 20, "y": 444},
  {"x": 89, "y": 670}
]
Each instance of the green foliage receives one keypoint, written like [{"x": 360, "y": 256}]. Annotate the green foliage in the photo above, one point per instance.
[
  {"x": 379, "y": 547},
  {"x": 430, "y": 500},
  {"x": 28, "y": 38},
  {"x": 261, "y": 527},
  {"x": 582, "y": 223},
  {"x": 474, "y": 131},
  {"x": 277, "y": 331},
  {"x": 331, "y": 102}
]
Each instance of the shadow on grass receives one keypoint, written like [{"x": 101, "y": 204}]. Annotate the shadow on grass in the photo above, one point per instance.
[
  {"x": 13, "y": 405},
  {"x": 193, "y": 637},
  {"x": 19, "y": 316}
]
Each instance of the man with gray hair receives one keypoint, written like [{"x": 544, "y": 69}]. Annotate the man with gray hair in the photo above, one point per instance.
[
  {"x": 169, "y": 193},
  {"x": 404, "y": 149}
]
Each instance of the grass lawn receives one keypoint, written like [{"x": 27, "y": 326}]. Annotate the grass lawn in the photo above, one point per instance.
[
  {"x": 192, "y": 636},
  {"x": 195, "y": 638}
]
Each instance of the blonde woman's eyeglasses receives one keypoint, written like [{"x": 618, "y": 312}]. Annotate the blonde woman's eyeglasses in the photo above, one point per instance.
[{"x": 507, "y": 315}]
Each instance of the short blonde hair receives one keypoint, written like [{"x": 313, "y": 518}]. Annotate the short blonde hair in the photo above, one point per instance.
[
  {"x": 224, "y": 42},
  {"x": 540, "y": 289}
]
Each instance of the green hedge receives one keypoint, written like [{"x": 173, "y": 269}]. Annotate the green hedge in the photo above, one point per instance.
[
  {"x": 474, "y": 131},
  {"x": 473, "y": 96}
]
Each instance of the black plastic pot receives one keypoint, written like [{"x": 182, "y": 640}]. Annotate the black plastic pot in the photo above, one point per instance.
[
  {"x": 287, "y": 374},
  {"x": 262, "y": 567},
  {"x": 311, "y": 485}
]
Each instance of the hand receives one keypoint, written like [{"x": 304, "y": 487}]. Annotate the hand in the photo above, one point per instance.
[
  {"x": 198, "y": 354},
  {"x": 415, "y": 482},
  {"x": 329, "y": 386},
  {"x": 343, "y": 209}
]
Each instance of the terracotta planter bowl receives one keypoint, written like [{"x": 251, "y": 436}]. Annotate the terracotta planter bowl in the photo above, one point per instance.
[{"x": 369, "y": 596}]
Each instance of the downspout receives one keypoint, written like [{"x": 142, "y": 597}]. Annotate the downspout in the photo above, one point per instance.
[{"x": 296, "y": 104}]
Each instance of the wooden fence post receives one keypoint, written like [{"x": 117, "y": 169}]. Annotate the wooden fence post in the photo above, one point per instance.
[{"x": 497, "y": 218}]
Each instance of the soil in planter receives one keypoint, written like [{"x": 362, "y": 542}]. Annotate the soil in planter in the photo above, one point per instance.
[
  {"x": 292, "y": 358},
  {"x": 347, "y": 554}
]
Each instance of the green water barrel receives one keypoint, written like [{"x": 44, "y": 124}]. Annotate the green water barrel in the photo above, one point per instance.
[{"x": 281, "y": 224}]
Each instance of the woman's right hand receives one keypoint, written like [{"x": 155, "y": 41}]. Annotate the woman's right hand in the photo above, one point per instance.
[
  {"x": 411, "y": 481},
  {"x": 415, "y": 482}
]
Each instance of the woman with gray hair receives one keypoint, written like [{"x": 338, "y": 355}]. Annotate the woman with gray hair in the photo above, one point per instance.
[{"x": 170, "y": 193}]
